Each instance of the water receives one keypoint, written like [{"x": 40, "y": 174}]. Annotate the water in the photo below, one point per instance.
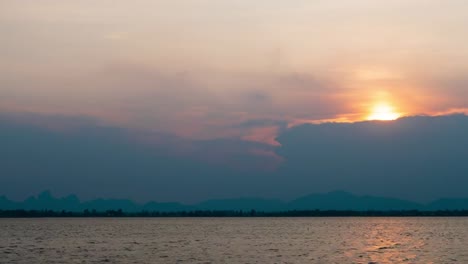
[{"x": 235, "y": 240}]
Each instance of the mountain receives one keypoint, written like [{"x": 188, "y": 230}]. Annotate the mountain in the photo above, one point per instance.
[
  {"x": 243, "y": 204},
  {"x": 337, "y": 200},
  {"x": 448, "y": 204},
  {"x": 45, "y": 201},
  {"x": 341, "y": 200},
  {"x": 6, "y": 204}
]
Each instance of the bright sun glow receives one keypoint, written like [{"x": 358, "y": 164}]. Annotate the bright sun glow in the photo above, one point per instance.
[{"x": 383, "y": 112}]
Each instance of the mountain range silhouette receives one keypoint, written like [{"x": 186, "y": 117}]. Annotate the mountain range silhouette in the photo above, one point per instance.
[{"x": 337, "y": 200}]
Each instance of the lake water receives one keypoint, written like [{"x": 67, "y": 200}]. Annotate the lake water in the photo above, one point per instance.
[{"x": 235, "y": 240}]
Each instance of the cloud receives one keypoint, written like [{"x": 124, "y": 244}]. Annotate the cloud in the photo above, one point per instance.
[
  {"x": 263, "y": 134},
  {"x": 198, "y": 104},
  {"x": 81, "y": 155},
  {"x": 419, "y": 158}
]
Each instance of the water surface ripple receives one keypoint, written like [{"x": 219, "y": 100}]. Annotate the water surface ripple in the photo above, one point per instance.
[{"x": 234, "y": 240}]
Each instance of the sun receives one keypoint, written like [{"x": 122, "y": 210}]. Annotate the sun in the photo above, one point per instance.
[{"x": 384, "y": 112}]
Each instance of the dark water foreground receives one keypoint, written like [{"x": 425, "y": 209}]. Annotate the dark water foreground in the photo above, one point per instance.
[{"x": 234, "y": 240}]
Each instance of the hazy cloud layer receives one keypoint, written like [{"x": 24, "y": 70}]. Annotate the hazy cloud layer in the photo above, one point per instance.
[
  {"x": 79, "y": 155},
  {"x": 417, "y": 158}
]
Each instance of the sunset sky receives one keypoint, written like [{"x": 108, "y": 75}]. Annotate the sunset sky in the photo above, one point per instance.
[
  {"x": 233, "y": 109},
  {"x": 185, "y": 100},
  {"x": 201, "y": 69}
]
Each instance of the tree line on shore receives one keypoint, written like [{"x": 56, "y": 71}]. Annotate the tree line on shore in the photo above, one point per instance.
[{"x": 228, "y": 213}]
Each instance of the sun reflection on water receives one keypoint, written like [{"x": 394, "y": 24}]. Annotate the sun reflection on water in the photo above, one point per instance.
[{"x": 394, "y": 242}]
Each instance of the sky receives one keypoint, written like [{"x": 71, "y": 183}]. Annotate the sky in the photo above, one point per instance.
[
  {"x": 199, "y": 69},
  {"x": 175, "y": 73}
]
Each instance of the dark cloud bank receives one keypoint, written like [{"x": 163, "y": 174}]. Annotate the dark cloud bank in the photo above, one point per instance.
[{"x": 415, "y": 158}]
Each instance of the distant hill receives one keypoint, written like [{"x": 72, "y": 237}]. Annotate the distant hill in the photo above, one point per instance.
[
  {"x": 6, "y": 204},
  {"x": 243, "y": 204},
  {"x": 338, "y": 200},
  {"x": 341, "y": 200},
  {"x": 448, "y": 204},
  {"x": 45, "y": 200}
]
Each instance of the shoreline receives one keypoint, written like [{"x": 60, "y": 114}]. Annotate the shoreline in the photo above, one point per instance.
[{"x": 228, "y": 214}]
